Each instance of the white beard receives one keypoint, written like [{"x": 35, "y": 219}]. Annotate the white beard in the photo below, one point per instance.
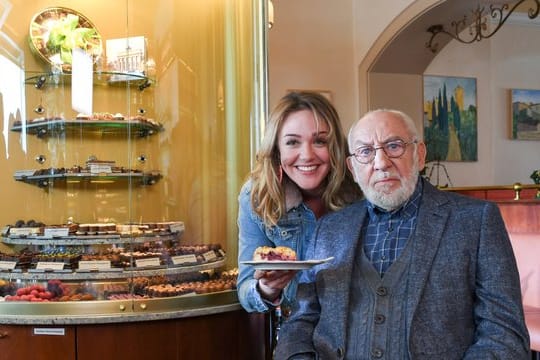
[{"x": 392, "y": 200}]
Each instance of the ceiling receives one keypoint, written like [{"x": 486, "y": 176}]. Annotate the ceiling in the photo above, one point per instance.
[{"x": 409, "y": 45}]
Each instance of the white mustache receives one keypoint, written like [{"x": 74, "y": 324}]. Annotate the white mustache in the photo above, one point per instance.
[{"x": 382, "y": 175}]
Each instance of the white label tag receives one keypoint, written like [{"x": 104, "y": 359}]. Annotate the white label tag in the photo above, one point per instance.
[
  {"x": 147, "y": 262},
  {"x": 7, "y": 265},
  {"x": 209, "y": 255},
  {"x": 176, "y": 227},
  {"x": 184, "y": 259},
  {"x": 52, "y": 232},
  {"x": 50, "y": 331},
  {"x": 52, "y": 265},
  {"x": 95, "y": 265},
  {"x": 99, "y": 169},
  {"x": 23, "y": 231}
]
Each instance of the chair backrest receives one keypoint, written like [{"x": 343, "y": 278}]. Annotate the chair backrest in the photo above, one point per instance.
[{"x": 527, "y": 252}]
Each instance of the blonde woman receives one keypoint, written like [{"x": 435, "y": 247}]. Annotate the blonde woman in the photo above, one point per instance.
[{"x": 300, "y": 174}]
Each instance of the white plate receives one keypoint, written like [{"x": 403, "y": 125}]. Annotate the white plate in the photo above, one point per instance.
[{"x": 285, "y": 265}]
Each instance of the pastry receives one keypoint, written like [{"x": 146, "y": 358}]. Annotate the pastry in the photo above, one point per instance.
[{"x": 267, "y": 253}]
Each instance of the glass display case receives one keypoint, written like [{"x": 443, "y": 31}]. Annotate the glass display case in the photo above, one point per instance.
[{"x": 127, "y": 132}]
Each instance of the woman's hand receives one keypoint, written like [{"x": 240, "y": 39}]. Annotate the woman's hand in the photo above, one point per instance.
[{"x": 272, "y": 282}]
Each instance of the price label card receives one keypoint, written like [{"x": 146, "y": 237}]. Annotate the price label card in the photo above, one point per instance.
[
  {"x": 100, "y": 169},
  {"x": 49, "y": 265},
  {"x": 184, "y": 259},
  {"x": 23, "y": 231},
  {"x": 56, "y": 232},
  {"x": 176, "y": 227},
  {"x": 7, "y": 265},
  {"x": 209, "y": 255},
  {"x": 95, "y": 265},
  {"x": 147, "y": 262},
  {"x": 50, "y": 331}
]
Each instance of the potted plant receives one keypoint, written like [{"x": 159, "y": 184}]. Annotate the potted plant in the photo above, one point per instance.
[{"x": 535, "y": 176}]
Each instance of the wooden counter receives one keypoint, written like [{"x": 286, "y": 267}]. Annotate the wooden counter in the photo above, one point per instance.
[{"x": 234, "y": 335}]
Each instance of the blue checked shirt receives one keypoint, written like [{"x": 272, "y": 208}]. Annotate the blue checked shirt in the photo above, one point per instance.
[{"x": 386, "y": 233}]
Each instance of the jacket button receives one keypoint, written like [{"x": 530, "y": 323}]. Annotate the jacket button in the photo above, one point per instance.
[
  {"x": 376, "y": 353},
  {"x": 382, "y": 291},
  {"x": 379, "y": 319},
  {"x": 286, "y": 310}
]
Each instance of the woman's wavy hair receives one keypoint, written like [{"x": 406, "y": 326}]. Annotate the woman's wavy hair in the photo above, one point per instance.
[{"x": 267, "y": 192}]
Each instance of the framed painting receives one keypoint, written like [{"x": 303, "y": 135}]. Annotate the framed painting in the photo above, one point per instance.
[
  {"x": 450, "y": 118},
  {"x": 525, "y": 114}
]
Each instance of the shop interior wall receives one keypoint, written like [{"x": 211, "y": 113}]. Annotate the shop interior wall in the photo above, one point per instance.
[
  {"x": 516, "y": 54},
  {"x": 398, "y": 91},
  {"x": 311, "y": 47},
  {"x": 318, "y": 45},
  {"x": 498, "y": 65},
  {"x": 509, "y": 60},
  {"x": 506, "y": 61}
]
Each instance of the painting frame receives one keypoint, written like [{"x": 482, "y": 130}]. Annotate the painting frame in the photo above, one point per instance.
[
  {"x": 450, "y": 120},
  {"x": 525, "y": 114}
]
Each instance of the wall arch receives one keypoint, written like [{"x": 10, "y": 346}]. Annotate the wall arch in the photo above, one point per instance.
[{"x": 400, "y": 49}]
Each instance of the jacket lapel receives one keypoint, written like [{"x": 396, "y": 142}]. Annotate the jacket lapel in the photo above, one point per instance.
[
  {"x": 347, "y": 247},
  {"x": 432, "y": 219}
]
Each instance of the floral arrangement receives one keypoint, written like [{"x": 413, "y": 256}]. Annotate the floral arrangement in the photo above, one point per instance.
[{"x": 65, "y": 35}]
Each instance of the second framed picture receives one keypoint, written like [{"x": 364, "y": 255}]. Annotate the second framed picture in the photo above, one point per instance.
[
  {"x": 450, "y": 118},
  {"x": 525, "y": 114}
]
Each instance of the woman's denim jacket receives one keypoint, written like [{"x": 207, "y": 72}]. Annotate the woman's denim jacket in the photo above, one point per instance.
[{"x": 293, "y": 230}]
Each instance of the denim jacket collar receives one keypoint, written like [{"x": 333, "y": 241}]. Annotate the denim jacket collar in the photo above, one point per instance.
[{"x": 293, "y": 196}]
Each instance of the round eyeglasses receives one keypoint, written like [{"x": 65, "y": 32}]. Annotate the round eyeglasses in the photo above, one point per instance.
[{"x": 392, "y": 149}]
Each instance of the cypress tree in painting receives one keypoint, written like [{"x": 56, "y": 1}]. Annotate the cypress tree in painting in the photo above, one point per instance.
[{"x": 450, "y": 128}]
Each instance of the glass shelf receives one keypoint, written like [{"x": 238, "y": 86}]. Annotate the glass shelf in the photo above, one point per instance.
[
  {"x": 89, "y": 239},
  {"x": 110, "y": 275},
  {"x": 140, "y": 128},
  {"x": 44, "y": 181},
  {"x": 110, "y": 78}
]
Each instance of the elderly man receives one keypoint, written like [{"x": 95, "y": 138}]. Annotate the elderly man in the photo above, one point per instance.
[{"x": 418, "y": 273}]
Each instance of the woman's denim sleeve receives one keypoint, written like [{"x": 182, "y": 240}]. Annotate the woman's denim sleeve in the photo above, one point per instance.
[
  {"x": 250, "y": 236},
  {"x": 293, "y": 230}
]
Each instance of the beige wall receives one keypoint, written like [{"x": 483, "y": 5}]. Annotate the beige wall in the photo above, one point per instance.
[
  {"x": 318, "y": 45},
  {"x": 311, "y": 47},
  {"x": 507, "y": 61},
  {"x": 516, "y": 54}
]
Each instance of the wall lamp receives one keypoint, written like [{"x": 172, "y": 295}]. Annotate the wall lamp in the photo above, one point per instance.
[{"x": 478, "y": 27}]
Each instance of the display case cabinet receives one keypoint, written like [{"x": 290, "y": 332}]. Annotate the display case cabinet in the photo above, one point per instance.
[
  {"x": 108, "y": 262},
  {"x": 231, "y": 335},
  {"x": 166, "y": 139}
]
